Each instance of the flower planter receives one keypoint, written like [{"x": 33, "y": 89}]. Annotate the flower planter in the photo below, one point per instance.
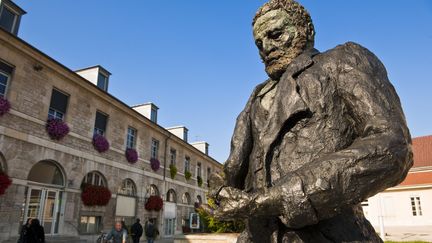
[
  {"x": 131, "y": 155},
  {"x": 57, "y": 128},
  {"x": 188, "y": 175},
  {"x": 173, "y": 171},
  {"x": 199, "y": 181},
  {"x": 95, "y": 195},
  {"x": 5, "y": 182},
  {"x": 155, "y": 164},
  {"x": 154, "y": 203},
  {"x": 100, "y": 143},
  {"x": 4, "y": 106}
]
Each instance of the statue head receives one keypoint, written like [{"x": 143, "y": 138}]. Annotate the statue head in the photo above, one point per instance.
[{"x": 282, "y": 30}]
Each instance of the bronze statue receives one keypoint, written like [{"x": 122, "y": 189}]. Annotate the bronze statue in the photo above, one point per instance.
[{"x": 323, "y": 134}]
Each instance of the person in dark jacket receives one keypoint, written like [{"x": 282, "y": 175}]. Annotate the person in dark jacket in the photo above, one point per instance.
[
  {"x": 137, "y": 231},
  {"x": 36, "y": 232},
  {"x": 151, "y": 231},
  {"x": 24, "y": 234}
]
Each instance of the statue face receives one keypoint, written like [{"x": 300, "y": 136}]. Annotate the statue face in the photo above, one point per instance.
[{"x": 275, "y": 38}]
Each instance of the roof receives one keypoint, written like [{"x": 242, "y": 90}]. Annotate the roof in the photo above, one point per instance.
[
  {"x": 422, "y": 149},
  {"x": 417, "y": 179},
  {"x": 93, "y": 67}
]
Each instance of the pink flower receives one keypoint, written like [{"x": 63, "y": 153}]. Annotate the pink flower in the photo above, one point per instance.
[
  {"x": 131, "y": 155},
  {"x": 4, "y": 106},
  {"x": 100, "y": 143},
  {"x": 56, "y": 128},
  {"x": 155, "y": 164}
]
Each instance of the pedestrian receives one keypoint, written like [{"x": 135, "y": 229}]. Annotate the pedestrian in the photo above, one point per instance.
[
  {"x": 137, "y": 231},
  {"x": 117, "y": 234},
  {"x": 25, "y": 232},
  {"x": 151, "y": 231},
  {"x": 36, "y": 232}
]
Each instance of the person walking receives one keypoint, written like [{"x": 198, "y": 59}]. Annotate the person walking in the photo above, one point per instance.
[
  {"x": 136, "y": 231},
  {"x": 151, "y": 231},
  {"x": 117, "y": 234},
  {"x": 25, "y": 232},
  {"x": 36, "y": 232}
]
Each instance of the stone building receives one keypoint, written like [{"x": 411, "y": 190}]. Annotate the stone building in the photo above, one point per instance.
[{"x": 49, "y": 175}]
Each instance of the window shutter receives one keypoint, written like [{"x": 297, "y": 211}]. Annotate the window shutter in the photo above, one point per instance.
[
  {"x": 101, "y": 121},
  {"x": 59, "y": 101}
]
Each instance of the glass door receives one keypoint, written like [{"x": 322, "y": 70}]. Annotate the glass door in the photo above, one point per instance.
[
  {"x": 44, "y": 204},
  {"x": 169, "y": 227}
]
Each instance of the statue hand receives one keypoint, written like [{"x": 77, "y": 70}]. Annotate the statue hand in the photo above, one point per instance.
[{"x": 233, "y": 204}]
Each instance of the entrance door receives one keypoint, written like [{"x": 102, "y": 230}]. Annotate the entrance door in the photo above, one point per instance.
[{"x": 44, "y": 204}]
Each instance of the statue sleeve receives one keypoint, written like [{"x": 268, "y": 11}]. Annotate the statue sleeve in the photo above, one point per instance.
[
  {"x": 236, "y": 166},
  {"x": 379, "y": 157}
]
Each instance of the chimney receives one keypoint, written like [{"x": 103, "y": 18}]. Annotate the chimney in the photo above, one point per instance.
[
  {"x": 201, "y": 146},
  {"x": 10, "y": 16},
  {"x": 97, "y": 75},
  {"x": 179, "y": 131},
  {"x": 148, "y": 110}
]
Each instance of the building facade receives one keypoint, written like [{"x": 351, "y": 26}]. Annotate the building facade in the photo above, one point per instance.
[
  {"x": 50, "y": 170},
  {"x": 408, "y": 205}
]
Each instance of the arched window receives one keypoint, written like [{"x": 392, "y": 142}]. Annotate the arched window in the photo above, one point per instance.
[
  {"x": 199, "y": 199},
  {"x": 154, "y": 191},
  {"x": 94, "y": 178},
  {"x": 46, "y": 172},
  {"x": 186, "y": 199},
  {"x": 128, "y": 188},
  {"x": 171, "y": 196}
]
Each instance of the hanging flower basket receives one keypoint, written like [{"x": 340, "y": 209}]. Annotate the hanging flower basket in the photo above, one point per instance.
[
  {"x": 57, "y": 128},
  {"x": 154, "y": 203},
  {"x": 188, "y": 175},
  {"x": 5, "y": 182},
  {"x": 173, "y": 171},
  {"x": 155, "y": 164},
  {"x": 100, "y": 143},
  {"x": 4, "y": 106},
  {"x": 95, "y": 195},
  {"x": 131, "y": 155},
  {"x": 200, "y": 181}
]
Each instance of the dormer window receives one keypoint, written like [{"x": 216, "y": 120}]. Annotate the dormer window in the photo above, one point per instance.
[
  {"x": 10, "y": 15},
  {"x": 102, "y": 82}
]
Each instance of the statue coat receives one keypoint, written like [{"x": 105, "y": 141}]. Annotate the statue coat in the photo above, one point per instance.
[{"x": 325, "y": 137}]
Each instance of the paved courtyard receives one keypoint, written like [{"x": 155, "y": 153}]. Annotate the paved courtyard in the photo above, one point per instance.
[{"x": 409, "y": 234}]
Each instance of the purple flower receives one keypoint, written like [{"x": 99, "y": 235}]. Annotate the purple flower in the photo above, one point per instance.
[
  {"x": 155, "y": 164},
  {"x": 100, "y": 143},
  {"x": 56, "y": 128},
  {"x": 131, "y": 155},
  {"x": 4, "y": 106}
]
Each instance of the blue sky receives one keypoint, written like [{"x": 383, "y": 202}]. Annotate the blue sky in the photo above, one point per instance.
[{"x": 197, "y": 61}]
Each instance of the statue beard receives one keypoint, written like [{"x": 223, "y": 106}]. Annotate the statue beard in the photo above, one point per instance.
[{"x": 276, "y": 68}]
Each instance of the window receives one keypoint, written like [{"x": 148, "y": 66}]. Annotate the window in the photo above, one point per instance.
[
  {"x": 131, "y": 137},
  {"x": 171, "y": 196},
  {"x": 187, "y": 164},
  {"x": 185, "y": 135},
  {"x": 128, "y": 188},
  {"x": 154, "y": 148},
  {"x": 102, "y": 82},
  {"x": 94, "y": 178},
  {"x": 153, "y": 115},
  {"x": 199, "y": 199},
  {"x": 199, "y": 170},
  {"x": 186, "y": 199},
  {"x": 100, "y": 123},
  {"x": 58, "y": 105},
  {"x": 154, "y": 190},
  {"x": 8, "y": 19},
  {"x": 365, "y": 203},
  {"x": 416, "y": 206},
  {"x": 5, "y": 74},
  {"x": 208, "y": 176},
  {"x": 173, "y": 156},
  {"x": 90, "y": 224}
]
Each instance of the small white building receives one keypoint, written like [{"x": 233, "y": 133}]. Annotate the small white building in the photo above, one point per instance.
[{"x": 410, "y": 203}]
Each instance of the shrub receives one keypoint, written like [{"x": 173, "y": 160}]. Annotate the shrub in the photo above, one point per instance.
[
  {"x": 212, "y": 225},
  {"x": 155, "y": 164},
  {"x": 200, "y": 181},
  {"x": 100, "y": 143},
  {"x": 95, "y": 195},
  {"x": 56, "y": 128},
  {"x": 131, "y": 155},
  {"x": 4, "y": 106},
  {"x": 188, "y": 175},
  {"x": 154, "y": 203},
  {"x": 173, "y": 171},
  {"x": 5, "y": 182}
]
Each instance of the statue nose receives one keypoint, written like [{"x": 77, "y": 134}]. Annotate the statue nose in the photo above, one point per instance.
[{"x": 268, "y": 46}]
